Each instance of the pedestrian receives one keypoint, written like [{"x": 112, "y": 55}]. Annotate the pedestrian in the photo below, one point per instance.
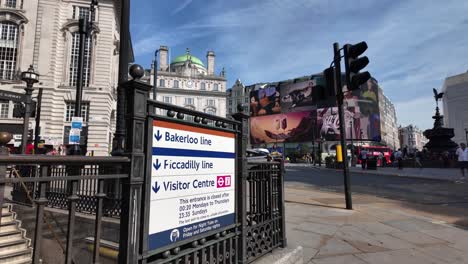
[
  {"x": 462, "y": 154},
  {"x": 399, "y": 159},
  {"x": 418, "y": 159},
  {"x": 382, "y": 159},
  {"x": 363, "y": 157},
  {"x": 392, "y": 158}
]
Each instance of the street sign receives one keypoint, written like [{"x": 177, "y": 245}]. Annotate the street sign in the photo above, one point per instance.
[
  {"x": 192, "y": 182},
  {"x": 12, "y": 96},
  {"x": 74, "y": 137},
  {"x": 77, "y": 122}
]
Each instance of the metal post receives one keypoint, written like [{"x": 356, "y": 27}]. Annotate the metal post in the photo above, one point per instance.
[
  {"x": 5, "y": 137},
  {"x": 131, "y": 220},
  {"x": 82, "y": 27},
  {"x": 340, "y": 97},
  {"x": 38, "y": 121},
  {"x": 41, "y": 203},
  {"x": 118, "y": 144},
  {"x": 155, "y": 74},
  {"x": 24, "y": 138},
  {"x": 241, "y": 146},
  {"x": 352, "y": 143}
]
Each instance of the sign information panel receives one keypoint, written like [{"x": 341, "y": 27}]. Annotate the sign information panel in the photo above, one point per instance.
[
  {"x": 75, "y": 131},
  {"x": 192, "y": 182}
]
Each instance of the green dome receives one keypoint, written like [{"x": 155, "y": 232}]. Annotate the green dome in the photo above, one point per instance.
[{"x": 186, "y": 57}]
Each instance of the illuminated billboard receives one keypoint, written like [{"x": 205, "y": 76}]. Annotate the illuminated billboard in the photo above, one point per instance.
[
  {"x": 265, "y": 101},
  {"x": 288, "y": 127},
  {"x": 271, "y": 104},
  {"x": 298, "y": 97}
]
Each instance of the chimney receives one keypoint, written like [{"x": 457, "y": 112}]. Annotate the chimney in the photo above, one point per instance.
[
  {"x": 163, "y": 58},
  {"x": 210, "y": 58}
]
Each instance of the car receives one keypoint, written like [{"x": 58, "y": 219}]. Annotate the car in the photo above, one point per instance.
[{"x": 254, "y": 155}]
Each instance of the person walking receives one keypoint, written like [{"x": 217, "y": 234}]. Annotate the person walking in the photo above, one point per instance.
[
  {"x": 462, "y": 154},
  {"x": 399, "y": 159},
  {"x": 363, "y": 157},
  {"x": 418, "y": 159}
]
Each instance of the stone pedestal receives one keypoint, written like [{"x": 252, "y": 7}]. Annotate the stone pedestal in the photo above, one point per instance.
[{"x": 440, "y": 137}]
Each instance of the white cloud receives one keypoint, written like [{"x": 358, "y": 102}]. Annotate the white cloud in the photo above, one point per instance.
[
  {"x": 413, "y": 45},
  {"x": 181, "y": 6}
]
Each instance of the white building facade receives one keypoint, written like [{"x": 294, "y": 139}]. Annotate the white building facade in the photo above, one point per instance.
[
  {"x": 388, "y": 121},
  {"x": 238, "y": 94},
  {"x": 412, "y": 138},
  {"x": 185, "y": 81},
  {"x": 44, "y": 33},
  {"x": 455, "y": 105}
]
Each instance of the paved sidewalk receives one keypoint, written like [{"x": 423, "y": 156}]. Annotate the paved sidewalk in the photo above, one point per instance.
[
  {"x": 451, "y": 174},
  {"x": 371, "y": 233}
]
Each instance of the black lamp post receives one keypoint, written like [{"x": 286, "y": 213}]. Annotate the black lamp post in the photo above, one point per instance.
[
  {"x": 84, "y": 28},
  {"x": 118, "y": 144},
  {"x": 352, "y": 143},
  {"x": 155, "y": 74},
  {"x": 30, "y": 77}
]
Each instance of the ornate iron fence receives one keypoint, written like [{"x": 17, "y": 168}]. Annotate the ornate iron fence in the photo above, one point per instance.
[
  {"x": 109, "y": 168},
  {"x": 265, "y": 209}
]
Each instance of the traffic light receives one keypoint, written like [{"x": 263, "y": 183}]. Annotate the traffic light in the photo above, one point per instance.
[
  {"x": 30, "y": 134},
  {"x": 329, "y": 76},
  {"x": 33, "y": 109},
  {"x": 19, "y": 110},
  {"x": 353, "y": 64}
]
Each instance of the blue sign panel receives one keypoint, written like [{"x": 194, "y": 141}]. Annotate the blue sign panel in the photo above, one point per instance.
[{"x": 192, "y": 182}]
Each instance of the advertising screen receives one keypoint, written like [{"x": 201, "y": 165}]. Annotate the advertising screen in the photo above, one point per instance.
[
  {"x": 289, "y": 127},
  {"x": 297, "y": 97},
  {"x": 265, "y": 101}
]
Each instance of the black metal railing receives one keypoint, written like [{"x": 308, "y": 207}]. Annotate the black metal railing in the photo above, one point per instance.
[
  {"x": 265, "y": 209},
  {"x": 74, "y": 176},
  {"x": 57, "y": 190}
]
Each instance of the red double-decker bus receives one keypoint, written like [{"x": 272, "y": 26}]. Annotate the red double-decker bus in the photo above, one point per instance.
[{"x": 374, "y": 152}]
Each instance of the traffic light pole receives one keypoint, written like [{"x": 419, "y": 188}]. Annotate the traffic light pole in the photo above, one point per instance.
[
  {"x": 27, "y": 114},
  {"x": 38, "y": 120},
  {"x": 340, "y": 98}
]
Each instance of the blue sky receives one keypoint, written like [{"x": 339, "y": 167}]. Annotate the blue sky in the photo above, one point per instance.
[{"x": 413, "y": 45}]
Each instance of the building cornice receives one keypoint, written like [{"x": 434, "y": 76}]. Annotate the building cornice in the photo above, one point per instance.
[
  {"x": 190, "y": 92},
  {"x": 200, "y": 77},
  {"x": 19, "y": 17}
]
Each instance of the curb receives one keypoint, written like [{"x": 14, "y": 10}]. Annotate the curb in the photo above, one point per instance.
[
  {"x": 283, "y": 256},
  {"x": 376, "y": 172}
]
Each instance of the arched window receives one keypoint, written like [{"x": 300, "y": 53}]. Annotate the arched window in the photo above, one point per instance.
[
  {"x": 8, "y": 50},
  {"x": 210, "y": 110},
  {"x": 74, "y": 54}
]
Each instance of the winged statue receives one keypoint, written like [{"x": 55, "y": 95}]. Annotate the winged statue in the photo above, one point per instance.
[{"x": 437, "y": 96}]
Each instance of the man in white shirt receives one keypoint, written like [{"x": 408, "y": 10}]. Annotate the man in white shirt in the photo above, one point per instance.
[
  {"x": 363, "y": 156},
  {"x": 399, "y": 159},
  {"x": 462, "y": 154}
]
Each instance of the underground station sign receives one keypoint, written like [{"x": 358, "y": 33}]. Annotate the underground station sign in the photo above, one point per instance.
[{"x": 192, "y": 182}]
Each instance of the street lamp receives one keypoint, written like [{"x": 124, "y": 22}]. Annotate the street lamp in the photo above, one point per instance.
[
  {"x": 84, "y": 28},
  {"x": 30, "y": 77},
  {"x": 155, "y": 66}
]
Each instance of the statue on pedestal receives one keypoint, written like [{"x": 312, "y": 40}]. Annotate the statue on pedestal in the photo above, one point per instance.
[{"x": 440, "y": 142}]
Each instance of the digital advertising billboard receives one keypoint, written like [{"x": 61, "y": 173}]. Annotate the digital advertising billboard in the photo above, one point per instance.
[
  {"x": 288, "y": 127},
  {"x": 298, "y": 97},
  {"x": 277, "y": 109},
  {"x": 265, "y": 101}
]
